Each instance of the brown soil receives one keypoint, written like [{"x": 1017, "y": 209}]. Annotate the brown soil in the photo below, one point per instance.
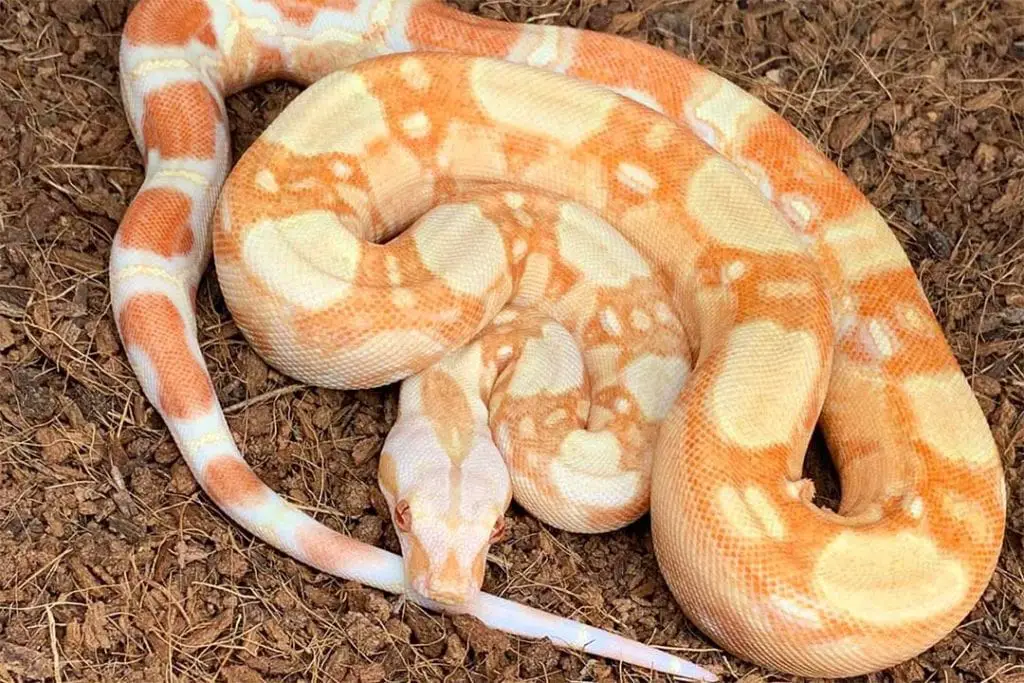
[{"x": 113, "y": 566}]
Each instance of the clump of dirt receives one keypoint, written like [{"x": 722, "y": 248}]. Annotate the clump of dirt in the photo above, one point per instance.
[{"x": 114, "y": 566}]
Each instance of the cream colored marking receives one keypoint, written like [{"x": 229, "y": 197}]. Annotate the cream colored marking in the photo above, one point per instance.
[
  {"x": 950, "y": 420},
  {"x": 519, "y": 248},
  {"x": 555, "y": 416},
  {"x": 514, "y": 200},
  {"x": 311, "y": 129},
  {"x": 655, "y": 382},
  {"x": 761, "y": 356},
  {"x": 864, "y": 245},
  {"x": 307, "y": 258},
  {"x": 505, "y": 352},
  {"x": 527, "y": 430},
  {"x": 555, "y": 110},
  {"x": 472, "y": 150},
  {"x": 969, "y": 513},
  {"x": 808, "y": 616},
  {"x": 341, "y": 170},
  {"x": 535, "y": 277},
  {"x": 616, "y": 489},
  {"x": 750, "y": 514},
  {"x": 397, "y": 166},
  {"x": 637, "y": 179},
  {"x": 414, "y": 74},
  {"x": 357, "y": 199},
  {"x": 535, "y": 372},
  {"x": 798, "y": 209},
  {"x": 733, "y": 271},
  {"x": 658, "y": 136},
  {"x": 403, "y": 298},
  {"x": 785, "y": 289},
  {"x": 502, "y": 438},
  {"x": 880, "y": 337},
  {"x": 416, "y": 125},
  {"x": 622, "y": 405},
  {"x": 914, "y": 507},
  {"x": 726, "y": 107},
  {"x": 464, "y": 225},
  {"x": 888, "y": 580},
  {"x": 640, "y": 320},
  {"x": 595, "y": 249},
  {"x": 394, "y": 269},
  {"x": 524, "y": 219},
  {"x": 663, "y": 313},
  {"x": 605, "y": 360},
  {"x": 506, "y": 316},
  {"x": 597, "y": 452},
  {"x": 732, "y": 212},
  {"x": 610, "y": 322},
  {"x": 266, "y": 181},
  {"x": 910, "y": 318}
]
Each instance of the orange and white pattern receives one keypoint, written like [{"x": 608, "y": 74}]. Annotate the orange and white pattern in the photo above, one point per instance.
[{"x": 627, "y": 286}]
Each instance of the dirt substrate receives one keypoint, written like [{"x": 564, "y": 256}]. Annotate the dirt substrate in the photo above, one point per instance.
[{"x": 114, "y": 567}]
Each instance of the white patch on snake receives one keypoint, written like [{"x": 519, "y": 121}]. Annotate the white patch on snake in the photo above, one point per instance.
[
  {"x": 797, "y": 209},
  {"x": 604, "y": 360},
  {"x": 732, "y": 212},
  {"x": 866, "y": 244},
  {"x": 458, "y": 244},
  {"x": 416, "y": 125},
  {"x": 514, "y": 200},
  {"x": 806, "y": 615},
  {"x": 413, "y": 73},
  {"x": 266, "y": 181},
  {"x": 878, "y": 339},
  {"x": 655, "y": 382},
  {"x": 519, "y": 248},
  {"x": 640, "y": 320},
  {"x": 636, "y": 178},
  {"x": 307, "y": 258},
  {"x": 622, "y": 405},
  {"x": 722, "y": 112},
  {"x": 658, "y": 135},
  {"x": 545, "y": 366},
  {"x": 558, "y": 110},
  {"x": 505, "y": 317},
  {"x": 663, "y": 313},
  {"x": 888, "y": 579},
  {"x": 733, "y": 271},
  {"x": 403, "y": 297},
  {"x": 914, "y": 507},
  {"x": 595, "y": 249},
  {"x": 610, "y": 322},
  {"x": 472, "y": 150},
  {"x": 744, "y": 401},
  {"x": 394, "y": 269},
  {"x": 750, "y": 514},
  {"x": 347, "y": 124},
  {"x": 527, "y": 430},
  {"x": 949, "y": 418},
  {"x": 341, "y": 170}
]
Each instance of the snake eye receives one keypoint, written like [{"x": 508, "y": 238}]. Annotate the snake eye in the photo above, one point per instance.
[
  {"x": 403, "y": 516},
  {"x": 498, "y": 532}
]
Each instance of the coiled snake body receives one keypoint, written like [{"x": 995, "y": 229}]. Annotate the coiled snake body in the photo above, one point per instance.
[{"x": 628, "y": 285}]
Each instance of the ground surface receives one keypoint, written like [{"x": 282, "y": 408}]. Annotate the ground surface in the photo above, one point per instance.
[{"x": 114, "y": 567}]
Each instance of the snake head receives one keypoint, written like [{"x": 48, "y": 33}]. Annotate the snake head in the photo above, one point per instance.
[{"x": 446, "y": 513}]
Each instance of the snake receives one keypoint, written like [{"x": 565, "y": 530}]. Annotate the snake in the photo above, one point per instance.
[{"x": 611, "y": 283}]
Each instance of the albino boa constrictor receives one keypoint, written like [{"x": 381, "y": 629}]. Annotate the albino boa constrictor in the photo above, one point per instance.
[{"x": 642, "y": 282}]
